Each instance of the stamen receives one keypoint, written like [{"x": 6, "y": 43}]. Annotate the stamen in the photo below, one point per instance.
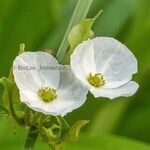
[
  {"x": 47, "y": 94},
  {"x": 96, "y": 80}
]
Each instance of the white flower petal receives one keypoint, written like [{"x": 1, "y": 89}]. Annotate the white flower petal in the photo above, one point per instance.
[
  {"x": 82, "y": 60},
  {"x": 114, "y": 60},
  {"x": 126, "y": 90},
  {"x": 33, "y": 79},
  {"x": 33, "y": 101},
  {"x": 71, "y": 94}
]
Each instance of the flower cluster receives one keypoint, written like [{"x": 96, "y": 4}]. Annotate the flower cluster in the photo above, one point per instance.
[{"x": 103, "y": 66}]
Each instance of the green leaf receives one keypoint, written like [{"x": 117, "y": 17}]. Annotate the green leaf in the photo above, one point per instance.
[
  {"x": 73, "y": 133},
  {"x": 80, "y": 33}
]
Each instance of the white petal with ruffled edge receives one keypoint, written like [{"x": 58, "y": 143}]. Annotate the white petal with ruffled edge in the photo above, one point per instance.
[
  {"x": 33, "y": 79},
  {"x": 114, "y": 60},
  {"x": 125, "y": 90},
  {"x": 71, "y": 91}
]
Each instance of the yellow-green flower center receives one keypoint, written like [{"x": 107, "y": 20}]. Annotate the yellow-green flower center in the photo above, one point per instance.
[
  {"x": 47, "y": 94},
  {"x": 96, "y": 80}
]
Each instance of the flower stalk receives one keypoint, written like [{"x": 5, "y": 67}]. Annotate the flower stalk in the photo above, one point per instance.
[
  {"x": 31, "y": 138},
  {"x": 18, "y": 120},
  {"x": 9, "y": 88}
]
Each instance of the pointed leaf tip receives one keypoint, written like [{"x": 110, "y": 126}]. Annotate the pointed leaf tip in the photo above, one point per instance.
[{"x": 73, "y": 134}]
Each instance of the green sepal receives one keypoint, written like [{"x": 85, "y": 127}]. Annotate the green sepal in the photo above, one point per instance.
[
  {"x": 34, "y": 118},
  {"x": 50, "y": 130},
  {"x": 53, "y": 130},
  {"x": 72, "y": 134},
  {"x": 80, "y": 33},
  {"x": 50, "y": 135},
  {"x": 74, "y": 131}
]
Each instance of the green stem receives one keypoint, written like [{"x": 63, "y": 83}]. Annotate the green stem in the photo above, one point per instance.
[
  {"x": 9, "y": 88},
  {"x": 19, "y": 120},
  {"x": 31, "y": 138},
  {"x": 79, "y": 14},
  {"x": 51, "y": 147}
]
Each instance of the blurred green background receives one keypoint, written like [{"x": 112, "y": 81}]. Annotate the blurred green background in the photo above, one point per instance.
[{"x": 122, "y": 124}]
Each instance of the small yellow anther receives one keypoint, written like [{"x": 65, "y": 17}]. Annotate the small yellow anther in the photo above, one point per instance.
[
  {"x": 96, "y": 80},
  {"x": 47, "y": 94}
]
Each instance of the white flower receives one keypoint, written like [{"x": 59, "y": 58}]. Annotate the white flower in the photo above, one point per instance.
[
  {"x": 45, "y": 86},
  {"x": 106, "y": 67}
]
